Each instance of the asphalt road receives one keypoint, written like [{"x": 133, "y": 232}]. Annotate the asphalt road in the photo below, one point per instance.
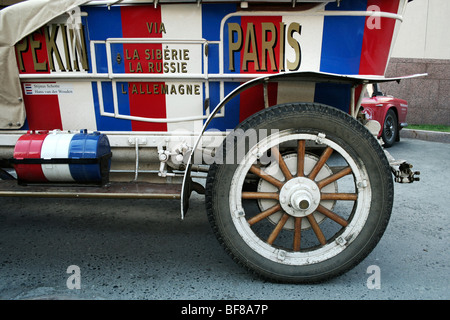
[{"x": 140, "y": 249}]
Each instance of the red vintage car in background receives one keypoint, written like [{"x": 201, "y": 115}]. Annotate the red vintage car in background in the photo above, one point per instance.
[{"x": 390, "y": 112}]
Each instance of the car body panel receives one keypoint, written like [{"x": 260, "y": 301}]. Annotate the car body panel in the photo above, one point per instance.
[{"x": 376, "y": 106}]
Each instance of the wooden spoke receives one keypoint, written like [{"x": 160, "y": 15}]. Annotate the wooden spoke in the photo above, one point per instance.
[
  {"x": 276, "y": 207},
  {"x": 323, "y": 158},
  {"x": 262, "y": 215},
  {"x": 339, "y": 196},
  {"x": 278, "y": 228},
  {"x": 333, "y": 216},
  {"x": 316, "y": 229},
  {"x": 342, "y": 173},
  {"x": 301, "y": 158},
  {"x": 297, "y": 233},
  {"x": 277, "y": 155},
  {"x": 260, "y": 195},
  {"x": 263, "y": 175}
]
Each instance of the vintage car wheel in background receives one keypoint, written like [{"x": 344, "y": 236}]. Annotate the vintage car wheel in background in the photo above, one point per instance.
[{"x": 307, "y": 200}]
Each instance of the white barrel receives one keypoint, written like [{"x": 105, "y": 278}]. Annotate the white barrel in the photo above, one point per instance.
[{"x": 56, "y": 146}]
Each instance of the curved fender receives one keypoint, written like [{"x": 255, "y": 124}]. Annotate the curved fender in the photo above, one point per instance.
[{"x": 300, "y": 76}]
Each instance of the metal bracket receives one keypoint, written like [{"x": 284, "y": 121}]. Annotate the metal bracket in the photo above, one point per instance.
[
  {"x": 404, "y": 174},
  {"x": 137, "y": 142},
  {"x": 74, "y": 23},
  {"x": 172, "y": 156},
  {"x": 402, "y": 170}
]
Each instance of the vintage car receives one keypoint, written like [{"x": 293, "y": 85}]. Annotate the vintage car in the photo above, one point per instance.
[
  {"x": 140, "y": 99},
  {"x": 390, "y": 112}
]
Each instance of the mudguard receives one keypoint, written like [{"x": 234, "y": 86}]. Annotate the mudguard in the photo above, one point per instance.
[{"x": 353, "y": 81}]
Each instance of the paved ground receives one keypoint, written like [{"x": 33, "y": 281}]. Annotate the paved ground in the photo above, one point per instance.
[{"x": 137, "y": 249}]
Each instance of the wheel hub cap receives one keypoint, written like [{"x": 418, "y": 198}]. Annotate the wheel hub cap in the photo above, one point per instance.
[{"x": 299, "y": 197}]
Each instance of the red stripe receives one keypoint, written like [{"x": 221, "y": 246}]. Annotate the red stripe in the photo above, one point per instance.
[
  {"x": 37, "y": 48},
  {"x": 377, "y": 41},
  {"x": 29, "y": 147},
  {"x": 252, "y": 100},
  {"x": 42, "y": 110},
  {"x": 136, "y": 22}
]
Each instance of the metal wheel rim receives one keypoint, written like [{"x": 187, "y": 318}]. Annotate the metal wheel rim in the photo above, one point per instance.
[
  {"x": 389, "y": 127},
  {"x": 334, "y": 245}
]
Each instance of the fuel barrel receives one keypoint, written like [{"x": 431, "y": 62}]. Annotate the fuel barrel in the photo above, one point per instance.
[
  {"x": 88, "y": 145},
  {"x": 29, "y": 146},
  {"x": 62, "y": 157},
  {"x": 56, "y": 146}
]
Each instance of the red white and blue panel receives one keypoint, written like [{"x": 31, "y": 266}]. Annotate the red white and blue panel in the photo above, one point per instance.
[{"x": 327, "y": 43}]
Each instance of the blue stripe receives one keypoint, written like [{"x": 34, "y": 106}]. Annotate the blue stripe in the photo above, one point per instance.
[
  {"x": 212, "y": 15},
  {"x": 101, "y": 24},
  {"x": 332, "y": 94},
  {"x": 342, "y": 39}
]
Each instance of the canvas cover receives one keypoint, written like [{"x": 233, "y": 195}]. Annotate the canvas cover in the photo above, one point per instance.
[{"x": 16, "y": 22}]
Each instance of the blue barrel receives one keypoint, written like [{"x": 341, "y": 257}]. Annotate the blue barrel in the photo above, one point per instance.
[{"x": 89, "y": 146}]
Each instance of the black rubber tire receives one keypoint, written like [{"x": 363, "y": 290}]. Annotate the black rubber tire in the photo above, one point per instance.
[
  {"x": 357, "y": 141},
  {"x": 390, "y": 129}
]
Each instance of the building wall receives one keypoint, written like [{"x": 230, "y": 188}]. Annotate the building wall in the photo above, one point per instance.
[
  {"x": 423, "y": 46},
  {"x": 428, "y": 97}
]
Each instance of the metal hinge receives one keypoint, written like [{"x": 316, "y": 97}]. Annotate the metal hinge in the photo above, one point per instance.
[{"x": 402, "y": 170}]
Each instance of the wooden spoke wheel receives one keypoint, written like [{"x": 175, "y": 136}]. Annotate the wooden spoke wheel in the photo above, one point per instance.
[{"x": 309, "y": 198}]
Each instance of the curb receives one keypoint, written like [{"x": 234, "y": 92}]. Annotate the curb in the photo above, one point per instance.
[{"x": 434, "y": 136}]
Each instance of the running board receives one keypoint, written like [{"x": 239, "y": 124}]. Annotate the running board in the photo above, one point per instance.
[{"x": 112, "y": 190}]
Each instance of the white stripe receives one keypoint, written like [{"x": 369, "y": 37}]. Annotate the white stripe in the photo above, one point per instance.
[
  {"x": 310, "y": 41},
  {"x": 184, "y": 22},
  {"x": 77, "y": 108},
  {"x": 56, "y": 145}
]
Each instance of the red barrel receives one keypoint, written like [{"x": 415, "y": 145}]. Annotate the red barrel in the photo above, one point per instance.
[{"x": 29, "y": 146}]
